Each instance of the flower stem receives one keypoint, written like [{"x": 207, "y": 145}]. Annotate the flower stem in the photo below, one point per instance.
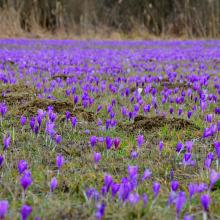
[{"x": 204, "y": 215}]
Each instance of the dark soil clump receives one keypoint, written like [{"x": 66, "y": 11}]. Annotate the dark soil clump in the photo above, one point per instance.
[
  {"x": 174, "y": 85},
  {"x": 64, "y": 77},
  {"x": 61, "y": 76},
  {"x": 58, "y": 106},
  {"x": 17, "y": 94},
  {"x": 32, "y": 107},
  {"x": 151, "y": 123}
]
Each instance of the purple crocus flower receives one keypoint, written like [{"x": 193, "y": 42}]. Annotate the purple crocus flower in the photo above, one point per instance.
[
  {"x": 76, "y": 99},
  {"x": 171, "y": 174},
  {"x": 202, "y": 187},
  {"x": 101, "y": 139},
  {"x": 50, "y": 128},
  {"x": 23, "y": 120},
  {"x": 134, "y": 154},
  {"x": 32, "y": 123},
  {"x": 124, "y": 190},
  {"x": 93, "y": 141},
  {"x": 25, "y": 212},
  {"x": 179, "y": 147},
  {"x": 161, "y": 146},
  {"x": 124, "y": 111},
  {"x": 114, "y": 188},
  {"x": 58, "y": 139},
  {"x": 112, "y": 114},
  {"x": 207, "y": 133},
  {"x": 108, "y": 180},
  {"x": 87, "y": 131},
  {"x": 187, "y": 159},
  {"x": 41, "y": 113},
  {"x": 3, "y": 208},
  {"x": 130, "y": 115},
  {"x": 68, "y": 115},
  {"x": 107, "y": 124},
  {"x": 92, "y": 193},
  {"x": 171, "y": 110},
  {"x": 52, "y": 116},
  {"x": 133, "y": 198},
  {"x": 97, "y": 157},
  {"x": 214, "y": 177},
  {"x": 217, "y": 148},
  {"x": 39, "y": 119},
  {"x": 145, "y": 199},
  {"x": 180, "y": 202},
  {"x": 205, "y": 201},
  {"x": 132, "y": 171},
  {"x": 192, "y": 188},
  {"x": 140, "y": 140},
  {"x": 22, "y": 166},
  {"x": 203, "y": 106},
  {"x": 180, "y": 111},
  {"x": 174, "y": 185},
  {"x": 100, "y": 210},
  {"x": 146, "y": 108},
  {"x": 147, "y": 174},
  {"x": 189, "y": 146},
  {"x": 189, "y": 114},
  {"x": 117, "y": 142},
  {"x": 36, "y": 129},
  {"x": 208, "y": 160},
  {"x": 74, "y": 122},
  {"x": 99, "y": 108},
  {"x": 3, "y": 109},
  {"x": 53, "y": 184},
  {"x": 156, "y": 188},
  {"x": 1, "y": 160},
  {"x": 213, "y": 129},
  {"x": 26, "y": 180},
  {"x": 172, "y": 198},
  {"x": 136, "y": 108},
  {"x": 6, "y": 141},
  {"x": 99, "y": 123},
  {"x": 59, "y": 161},
  {"x": 108, "y": 142},
  {"x": 209, "y": 118},
  {"x": 188, "y": 217}
]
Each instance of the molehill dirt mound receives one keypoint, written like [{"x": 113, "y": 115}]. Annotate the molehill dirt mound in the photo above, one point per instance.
[
  {"x": 156, "y": 122},
  {"x": 17, "y": 94},
  {"x": 174, "y": 85},
  {"x": 59, "y": 106},
  {"x": 65, "y": 76},
  {"x": 61, "y": 76}
]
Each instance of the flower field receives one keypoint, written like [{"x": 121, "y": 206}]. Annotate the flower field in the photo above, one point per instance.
[{"x": 109, "y": 129}]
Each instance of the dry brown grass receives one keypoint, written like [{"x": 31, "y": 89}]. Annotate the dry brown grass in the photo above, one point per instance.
[
  {"x": 9, "y": 24},
  {"x": 10, "y": 28}
]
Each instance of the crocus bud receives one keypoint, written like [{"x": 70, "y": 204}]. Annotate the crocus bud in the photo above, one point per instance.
[
  {"x": 23, "y": 120},
  {"x": 205, "y": 201},
  {"x": 53, "y": 184},
  {"x": 22, "y": 166},
  {"x": 26, "y": 180},
  {"x": 156, "y": 188},
  {"x": 116, "y": 142},
  {"x": 3, "y": 208},
  {"x": 59, "y": 161},
  {"x": 97, "y": 157},
  {"x": 25, "y": 212}
]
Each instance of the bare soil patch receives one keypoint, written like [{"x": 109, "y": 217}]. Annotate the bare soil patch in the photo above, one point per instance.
[{"x": 156, "y": 122}]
